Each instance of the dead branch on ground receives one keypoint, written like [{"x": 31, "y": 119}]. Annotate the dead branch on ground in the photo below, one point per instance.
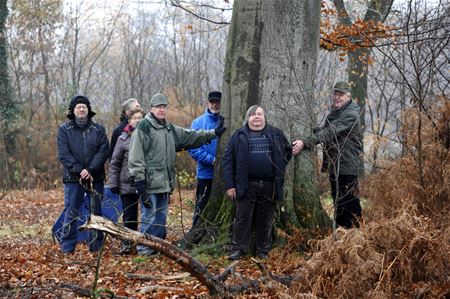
[{"x": 214, "y": 283}]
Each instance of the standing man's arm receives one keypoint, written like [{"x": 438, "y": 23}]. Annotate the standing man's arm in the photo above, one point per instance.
[
  {"x": 228, "y": 168},
  {"x": 115, "y": 135},
  {"x": 115, "y": 165},
  {"x": 340, "y": 126},
  {"x": 201, "y": 153},
  {"x": 187, "y": 139},
  {"x": 136, "y": 156},
  {"x": 65, "y": 154},
  {"x": 99, "y": 159}
]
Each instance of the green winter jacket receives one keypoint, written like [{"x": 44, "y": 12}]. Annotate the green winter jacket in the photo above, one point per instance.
[
  {"x": 341, "y": 137},
  {"x": 153, "y": 150}
]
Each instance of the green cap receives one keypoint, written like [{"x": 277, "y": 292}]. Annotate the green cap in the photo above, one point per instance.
[
  {"x": 341, "y": 86},
  {"x": 158, "y": 99}
]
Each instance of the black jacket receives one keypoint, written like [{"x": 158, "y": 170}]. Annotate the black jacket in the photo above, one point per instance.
[
  {"x": 80, "y": 149},
  {"x": 116, "y": 133},
  {"x": 235, "y": 161}
]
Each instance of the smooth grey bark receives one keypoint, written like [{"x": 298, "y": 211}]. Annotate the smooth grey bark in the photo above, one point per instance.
[{"x": 271, "y": 61}]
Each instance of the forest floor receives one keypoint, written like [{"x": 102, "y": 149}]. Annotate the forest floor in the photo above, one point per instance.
[{"x": 32, "y": 266}]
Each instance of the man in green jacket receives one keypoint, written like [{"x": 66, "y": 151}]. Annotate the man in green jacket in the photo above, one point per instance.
[
  {"x": 151, "y": 162},
  {"x": 341, "y": 137}
]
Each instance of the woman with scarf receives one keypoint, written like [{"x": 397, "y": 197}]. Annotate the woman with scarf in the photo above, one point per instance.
[{"x": 119, "y": 177}]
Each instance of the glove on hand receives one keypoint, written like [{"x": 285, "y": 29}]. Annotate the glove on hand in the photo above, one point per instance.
[
  {"x": 114, "y": 190},
  {"x": 140, "y": 187},
  {"x": 219, "y": 127},
  {"x": 131, "y": 181}
]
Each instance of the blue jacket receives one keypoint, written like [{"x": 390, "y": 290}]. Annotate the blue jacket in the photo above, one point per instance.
[
  {"x": 205, "y": 154},
  {"x": 235, "y": 165},
  {"x": 80, "y": 149}
]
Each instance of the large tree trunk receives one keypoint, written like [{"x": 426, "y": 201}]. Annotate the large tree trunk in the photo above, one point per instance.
[
  {"x": 8, "y": 108},
  {"x": 271, "y": 61}
]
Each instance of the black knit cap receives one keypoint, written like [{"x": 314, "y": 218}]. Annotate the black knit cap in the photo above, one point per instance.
[
  {"x": 214, "y": 95},
  {"x": 79, "y": 99}
]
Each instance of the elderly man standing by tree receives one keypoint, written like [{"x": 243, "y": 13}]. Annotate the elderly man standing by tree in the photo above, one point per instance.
[
  {"x": 254, "y": 165},
  {"x": 152, "y": 154},
  {"x": 341, "y": 137},
  {"x": 205, "y": 155},
  {"x": 83, "y": 150}
]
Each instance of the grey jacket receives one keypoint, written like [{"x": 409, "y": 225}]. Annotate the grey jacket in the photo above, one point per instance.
[
  {"x": 341, "y": 137},
  {"x": 118, "y": 166},
  {"x": 153, "y": 150}
]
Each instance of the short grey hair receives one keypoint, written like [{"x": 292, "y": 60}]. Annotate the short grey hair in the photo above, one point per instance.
[
  {"x": 250, "y": 111},
  {"x": 126, "y": 106}
]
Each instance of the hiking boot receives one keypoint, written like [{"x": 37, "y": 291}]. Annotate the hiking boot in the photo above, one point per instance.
[
  {"x": 261, "y": 256},
  {"x": 149, "y": 252},
  {"x": 236, "y": 255},
  {"x": 126, "y": 249}
]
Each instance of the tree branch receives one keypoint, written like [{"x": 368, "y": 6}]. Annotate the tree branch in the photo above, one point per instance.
[{"x": 188, "y": 263}]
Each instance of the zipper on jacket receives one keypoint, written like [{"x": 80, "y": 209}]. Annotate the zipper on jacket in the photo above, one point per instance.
[{"x": 84, "y": 149}]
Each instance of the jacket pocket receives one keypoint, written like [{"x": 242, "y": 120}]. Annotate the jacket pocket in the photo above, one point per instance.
[{"x": 156, "y": 178}]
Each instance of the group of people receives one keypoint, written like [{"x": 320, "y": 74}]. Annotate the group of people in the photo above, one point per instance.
[{"x": 142, "y": 166}]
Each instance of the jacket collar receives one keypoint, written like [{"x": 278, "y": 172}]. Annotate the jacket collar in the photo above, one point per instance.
[
  {"x": 343, "y": 107},
  {"x": 212, "y": 115},
  {"x": 155, "y": 123}
]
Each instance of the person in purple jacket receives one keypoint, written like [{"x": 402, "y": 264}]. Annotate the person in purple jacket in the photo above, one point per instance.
[{"x": 206, "y": 154}]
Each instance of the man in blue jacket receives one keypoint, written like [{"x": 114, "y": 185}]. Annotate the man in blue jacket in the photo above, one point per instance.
[
  {"x": 206, "y": 154},
  {"x": 82, "y": 150}
]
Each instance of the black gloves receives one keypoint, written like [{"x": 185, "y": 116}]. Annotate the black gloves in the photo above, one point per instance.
[
  {"x": 131, "y": 181},
  {"x": 114, "y": 190},
  {"x": 140, "y": 187},
  {"x": 141, "y": 190},
  {"x": 219, "y": 127}
]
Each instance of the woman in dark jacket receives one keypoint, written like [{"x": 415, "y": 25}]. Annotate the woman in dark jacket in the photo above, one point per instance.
[
  {"x": 254, "y": 165},
  {"x": 119, "y": 178}
]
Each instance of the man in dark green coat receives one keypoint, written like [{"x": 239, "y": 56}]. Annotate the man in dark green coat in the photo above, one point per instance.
[
  {"x": 151, "y": 162},
  {"x": 341, "y": 137}
]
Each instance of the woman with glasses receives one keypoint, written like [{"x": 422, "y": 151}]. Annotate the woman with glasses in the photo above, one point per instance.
[{"x": 119, "y": 178}]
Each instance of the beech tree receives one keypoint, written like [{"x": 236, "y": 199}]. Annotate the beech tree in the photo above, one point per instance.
[{"x": 271, "y": 61}]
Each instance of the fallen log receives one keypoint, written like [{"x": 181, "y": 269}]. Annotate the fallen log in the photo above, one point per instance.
[{"x": 214, "y": 283}]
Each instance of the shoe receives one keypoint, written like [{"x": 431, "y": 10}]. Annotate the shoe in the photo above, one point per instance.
[
  {"x": 149, "y": 252},
  {"x": 261, "y": 256},
  {"x": 126, "y": 249},
  {"x": 236, "y": 255}
]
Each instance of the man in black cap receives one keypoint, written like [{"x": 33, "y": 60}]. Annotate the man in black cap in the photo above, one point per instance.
[
  {"x": 342, "y": 141},
  {"x": 205, "y": 155},
  {"x": 82, "y": 150}
]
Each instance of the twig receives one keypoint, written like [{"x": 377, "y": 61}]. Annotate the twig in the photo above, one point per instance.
[
  {"x": 160, "y": 287},
  {"x": 157, "y": 277},
  {"x": 227, "y": 272}
]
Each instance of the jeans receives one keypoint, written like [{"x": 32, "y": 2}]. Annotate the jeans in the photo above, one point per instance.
[
  {"x": 73, "y": 197},
  {"x": 202, "y": 195},
  {"x": 255, "y": 207},
  {"x": 345, "y": 196},
  {"x": 153, "y": 219}
]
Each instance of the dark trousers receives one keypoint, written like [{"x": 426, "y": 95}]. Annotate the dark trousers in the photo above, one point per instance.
[
  {"x": 202, "y": 195},
  {"x": 257, "y": 207},
  {"x": 130, "y": 212},
  {"x": 345, "y": 196}
]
